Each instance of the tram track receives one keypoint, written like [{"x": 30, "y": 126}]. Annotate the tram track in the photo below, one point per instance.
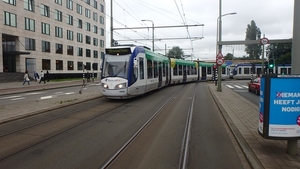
[
  {"x": 182, "y": 163},
  {"x": 31, "y": 135}
]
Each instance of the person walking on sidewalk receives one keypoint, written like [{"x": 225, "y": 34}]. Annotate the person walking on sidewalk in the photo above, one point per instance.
[
  {"x": 36, "y": 76},
  {"x": 42, "y": 78},
  {"x": 47, "y": 76},
  {"x": 26, "y": 78}
]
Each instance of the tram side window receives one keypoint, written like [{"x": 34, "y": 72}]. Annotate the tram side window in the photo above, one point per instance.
[
  {"x": 246, "y": 70},
  {"x": 149, "y": 69},
  {"x": 141, "y": 67},
  {"x": 180, "y": 69},
  {"x": 223, "y": 70},
  {"x": 175, "y": 70},
  {"x": 240, "y": 71},
  {"x": 188, "y": 70},
  {"x": 209, "y": 70},
  {"x": 155, "y": 69},
  {"x": 164, "y": 69}
]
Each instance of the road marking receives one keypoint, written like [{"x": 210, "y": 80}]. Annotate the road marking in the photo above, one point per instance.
[
  {"x": 69, "y": 93},
  {"x": 46, "y": 97},
  {"x": 20, "y": 98},
  {"x": 245, "y": 86},
  {"x": 9, "y": 97},
  {"x": 231, "y": 87},
  {"x": 35, "y": 93},
  {"x": 237, "y": 86}
]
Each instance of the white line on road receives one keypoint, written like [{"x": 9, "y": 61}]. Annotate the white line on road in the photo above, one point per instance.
[
  {"x": 46, "y": 97},
  {"x": 9, "y": 97},
  {"x": 238, "y": 86},
  {"x": 20, "y": 98},
  {"x": 69, "y": 93},
  {"x": 231, "y": 87}
]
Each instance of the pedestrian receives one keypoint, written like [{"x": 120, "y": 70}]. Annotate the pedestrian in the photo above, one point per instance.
[
  {"x": 47, "y": 76},
  {"x": 42, "y": 78},
  {"x": 36, "y": 76},
  {"x": 88, "y": 77},
  {"x": 26, "y": 78}
]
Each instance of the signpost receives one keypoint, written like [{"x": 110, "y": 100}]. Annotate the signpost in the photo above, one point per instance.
[
  {"x": 219, "y": 62},
  {"x": 279, "y": 113}
]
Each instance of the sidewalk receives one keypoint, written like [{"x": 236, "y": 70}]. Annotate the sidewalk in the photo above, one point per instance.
[
  {"x": 240, "y": 115},
  {"x": 242, "y": 118},
  {"x": 28, "y": 108}
]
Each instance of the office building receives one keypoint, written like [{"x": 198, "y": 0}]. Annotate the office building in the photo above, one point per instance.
[{"x": 65, "y": 37}]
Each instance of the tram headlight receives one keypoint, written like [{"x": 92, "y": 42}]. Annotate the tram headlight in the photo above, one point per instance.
[
  {"x": 104, "y": 85},
  {"x": 120, "y": 86}
]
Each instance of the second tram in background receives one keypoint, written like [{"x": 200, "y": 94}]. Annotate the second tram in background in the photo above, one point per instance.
[
  {"x": 129, "y": 71},
  {"x": 246, "y": 70}
]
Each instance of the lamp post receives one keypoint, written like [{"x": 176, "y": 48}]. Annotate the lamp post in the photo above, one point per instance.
[
  {"x": 219, "y": 39},
  {"x": 152, "y": 32}
]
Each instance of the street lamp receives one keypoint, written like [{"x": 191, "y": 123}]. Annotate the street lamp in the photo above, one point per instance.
[
  {"x": 152, "y": 32},
  {"x": 219, "y": 39}
]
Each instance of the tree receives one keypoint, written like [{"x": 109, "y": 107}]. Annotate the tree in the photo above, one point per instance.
[
  {"x": 229, "y": 56},
  {"x": 175, "y": 52},
  {"x": 277, "y": 50},
  {"x": 253, "y": 33}
]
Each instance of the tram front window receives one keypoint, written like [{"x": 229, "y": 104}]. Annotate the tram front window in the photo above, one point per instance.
[{"x": 116, "y": 66}]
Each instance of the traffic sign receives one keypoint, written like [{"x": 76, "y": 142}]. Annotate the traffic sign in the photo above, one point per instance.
[
  {"x": 220, "y": 61},
  {"x": 219, "y": 56},
  {"x": 264, "y": 41}
]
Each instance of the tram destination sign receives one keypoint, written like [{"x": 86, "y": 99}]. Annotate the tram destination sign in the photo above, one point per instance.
[{"x": 118, "y": 51}]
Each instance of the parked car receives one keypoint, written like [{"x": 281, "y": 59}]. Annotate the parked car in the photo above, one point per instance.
[{"x": 254, "y": 86}]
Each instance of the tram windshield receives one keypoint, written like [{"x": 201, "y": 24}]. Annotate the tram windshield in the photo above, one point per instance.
[{"x": 115, "y": 66}]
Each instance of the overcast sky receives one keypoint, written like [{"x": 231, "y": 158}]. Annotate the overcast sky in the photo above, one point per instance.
[{"x": 273, "y": 17}]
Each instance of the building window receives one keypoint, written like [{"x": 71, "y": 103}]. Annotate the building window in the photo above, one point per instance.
[
  {"x": 88, "y": 65},
  {"x": 70, "y": 50},
  {"x": 29, "y": 5},
  {"x": 102, "y": 43},
  {"x": 101, "y": 8},
  {"x": 95, "y": 4},
  {"x": 88, "y": 26},
  {"x": 95, "y": 29},
  {"x": 70, "y": 19},
  {"x": 45, "y": 46},
  {"x": 13, "y": 2},
  {"x": 58, "y": 32},
  {"x": 69, "y": 35},
  {"x": 58, "y": 15},
  {"x": 29, "y": 44},
  {"x": 87, "y": 1},
  {"x": 102, "y": 32},
  {"x": 87, "y": 39},
  {"x": 79, "y": 37},
  {"x": 95, "y": 16},
  {"x": 59, "y": 65},
  {"x": 95, "y": 66},
  {"x": 87, "y": 13},
  {"x": 58, "y": 48},
  {"x": 45, "y": 10},
  {"x": 95, "y": 54},
  {"x": 79, "y": 66},
  {"x": 58, "y": 2},
  {"x": 79, "y": 51},
  {"x": 70, "y": 65},
  {"x": 79, "y": 23},
  {"x": 10, "y": 19},
  {"x": 95, "y": 41},
  {"x": 69, "y": 4},
  {"x": 45, "y": 28},
  {"x": 88, "y": 53},
  {"x": 102, "y": 20},
  {"x": 46, "y": 64},
  {"x": 79, "y": 9},
  {"x": 29, "y": 24}
]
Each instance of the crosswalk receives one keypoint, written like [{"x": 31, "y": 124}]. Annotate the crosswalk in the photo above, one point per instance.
[{"x": 236, "y": 86}]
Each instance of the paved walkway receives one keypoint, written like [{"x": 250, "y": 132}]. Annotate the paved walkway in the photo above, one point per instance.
[{"x": 240, "y": 114}]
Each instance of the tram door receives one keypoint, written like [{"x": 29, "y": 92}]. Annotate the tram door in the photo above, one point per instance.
[
  {"x": 203, "y": 73},
  {"x": 159, "y": 74}
]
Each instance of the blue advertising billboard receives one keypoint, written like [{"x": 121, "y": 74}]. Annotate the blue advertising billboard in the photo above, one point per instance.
[{"x": 279, "y": 112}]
